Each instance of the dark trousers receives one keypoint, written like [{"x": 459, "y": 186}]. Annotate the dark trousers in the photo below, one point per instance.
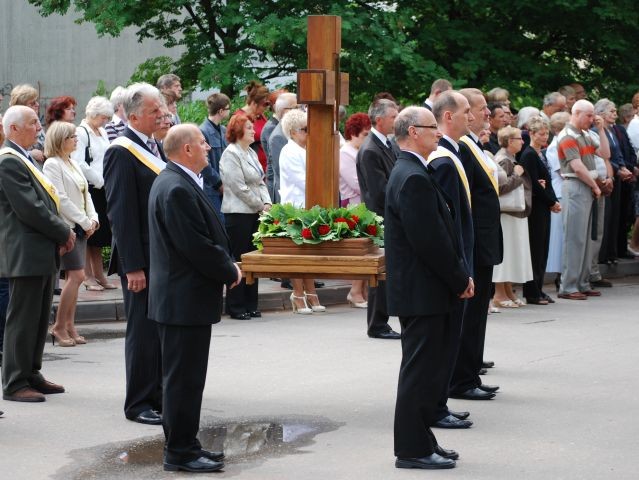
[
  {"x": 422, "y": 375},
  {"x": 4, "y": 302},
  {"x": 471, "y": 349},
  {"x": 142, "y": 357},
  {"x": 626, "y": 215},
  {"x": 453, "y": 340},
  {"x": 539, "y": 238},
  {"x": 25, "y": 332},
  {"x": 240, "y": 227},
  {"x": 608, "y": 250},
  {"x": 185, "y": 355},
  {"x": 376, "y": 313}
]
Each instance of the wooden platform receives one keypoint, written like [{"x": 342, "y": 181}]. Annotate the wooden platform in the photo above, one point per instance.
[{"x": 371, "y": 267}]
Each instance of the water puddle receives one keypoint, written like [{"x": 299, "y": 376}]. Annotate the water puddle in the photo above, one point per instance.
[{"x": 247, "y": 443}]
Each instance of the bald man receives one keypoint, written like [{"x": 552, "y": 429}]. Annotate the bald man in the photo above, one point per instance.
[{"x": 190, "y": 261}]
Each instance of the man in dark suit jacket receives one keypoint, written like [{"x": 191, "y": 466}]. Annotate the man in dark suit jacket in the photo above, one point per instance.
[
  {"x": 131, "y": 165},
  {"x": 30, "y": 234},
  {"x": 427, "y": 276},
  {"x": 375, "y": 160},
  {"x": 191, "y": 263},
  {"x": 488, "y": 247}
]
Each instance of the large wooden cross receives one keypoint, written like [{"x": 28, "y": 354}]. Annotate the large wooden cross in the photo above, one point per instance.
[{"x": 323, "y": 88}]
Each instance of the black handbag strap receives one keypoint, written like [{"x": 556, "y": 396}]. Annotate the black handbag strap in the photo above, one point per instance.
[{"x": 88, "y": 158}]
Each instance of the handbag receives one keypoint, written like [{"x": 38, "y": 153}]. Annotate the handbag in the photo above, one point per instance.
[
  {"x": 513, "y": 201},
  {"x": 88, "y": 158}
]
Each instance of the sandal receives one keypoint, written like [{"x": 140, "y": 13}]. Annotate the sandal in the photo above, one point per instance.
[
  {"x": 518, "y": 301},
  {"x": 505, "y": 304},
  {"x": 90, "y": 287},
  {"x": 106, "y": 285}
]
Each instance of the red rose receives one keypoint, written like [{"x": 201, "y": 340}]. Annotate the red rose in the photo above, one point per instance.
[
  {"x": 307, "y": 234},
  {"x": 324, "y": 229},
  {"x": 355, "y": 218},
  {"x": 276, "y": 222},
  {"x": 340, "y": 220},
  {"x": 371, "y": 230},
  {"x": 351, "y": 224}
]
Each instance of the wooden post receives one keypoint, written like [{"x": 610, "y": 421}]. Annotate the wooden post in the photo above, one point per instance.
[{"x": 323, "y": 88}]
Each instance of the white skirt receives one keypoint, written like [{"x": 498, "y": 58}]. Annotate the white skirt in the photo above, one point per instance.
[
  {"x": 516, "y": 266},
  {"x": 555, "y": 245}
]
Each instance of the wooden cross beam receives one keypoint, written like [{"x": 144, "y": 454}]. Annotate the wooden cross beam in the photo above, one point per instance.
[{"x": 323, "y": 87}]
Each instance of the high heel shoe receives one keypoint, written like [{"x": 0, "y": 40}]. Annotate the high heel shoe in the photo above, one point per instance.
[
  {"x": 354, "y": 304},
  {"x": 301, "y": 310},
  {"x": 63, "y": 342},
  {"x": 93, "y": 287},
  {"x": 318, "y": 307},
  {"x": 78, "y": 339},
  {"x": 106, "y": 285}
]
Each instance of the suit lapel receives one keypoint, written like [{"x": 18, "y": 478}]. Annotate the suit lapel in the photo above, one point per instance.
[{"x": 384, "y": 149}]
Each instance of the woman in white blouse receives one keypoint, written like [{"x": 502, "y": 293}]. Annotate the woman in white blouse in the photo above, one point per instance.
[
  {"x": 293, "y": 190},
  {"x": 76, "y": 208},
  {"x": 245, "y": 197},
  {"x": 91, "y": 133}
]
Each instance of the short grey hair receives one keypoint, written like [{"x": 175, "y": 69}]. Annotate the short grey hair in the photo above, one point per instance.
[
  {"x": 566, "y": 91},
  {"x": 407, "y": 117},
  {"x": 441, "y": 84},
  {"x": 603, "y": 105},
  {"x": 167, "y": 81},
  {"x": 284, "y": 101},
  {"x": 446, "y": 102},
  {"x": 551, "y": 98},
  {"x": 526, "y": 114},
  {"x": 379, "y": 108},
  {"x": 15, "y": 115},
  {"x": 536, "y": 124},
  {"x": 135, "y": 95},
  {"x": 558, "y": 121},
  {"x": 98, "y": 106},
  {"x": 293, "y": 119},
  {"x": 117, "y": 97}
]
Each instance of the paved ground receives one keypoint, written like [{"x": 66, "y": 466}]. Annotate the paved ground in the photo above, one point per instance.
[{"x": 311, "y": 397}]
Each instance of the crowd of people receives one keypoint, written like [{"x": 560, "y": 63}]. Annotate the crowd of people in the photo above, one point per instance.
[{"x": 515, "y": 195}]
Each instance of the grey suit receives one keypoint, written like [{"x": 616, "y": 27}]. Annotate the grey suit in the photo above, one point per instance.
[
  {"x": 276, "y": 142},
  {"x": 30, "y": 232}
]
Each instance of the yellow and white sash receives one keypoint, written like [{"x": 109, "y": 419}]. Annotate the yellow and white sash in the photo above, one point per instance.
[
  {"x": 491, "y": 170},
  {"x": 444, "y": 152},
  {"x": 39, "y": 176},
  {"x": 149, "y": 160}
]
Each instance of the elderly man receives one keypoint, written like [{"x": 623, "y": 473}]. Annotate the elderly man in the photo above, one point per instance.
[
  {"x": 488, "y": 248},
  {"x": 438, "y": 87},
  {"x": 30, "y": 233},
  {"x": 569, "y": 93},
  {"x": 427, "y": 277},
  {"x": 553, "y": 102},
  {"x": 191, "y": 263},
  {"x": 375, "y": 160},
  {"x": 577, "y": 162},
  {"x": 276, "y": 141},
  {"x": 131, "y": 165}
]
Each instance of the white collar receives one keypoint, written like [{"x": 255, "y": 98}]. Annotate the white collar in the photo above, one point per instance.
[
  {"x": 452, "y": 142},
  {"x": 196, "y": 178},
  {"x": 143, "y": 137},
  {"x": 379, "y": 135},
  {"x": 421, "y": 159}
]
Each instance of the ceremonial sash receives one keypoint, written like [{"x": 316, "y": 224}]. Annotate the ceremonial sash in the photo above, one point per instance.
[
  {"x": 149, "y": 160},
  {"x": 444, "y": 152},
  {"x": 42, "y": 180},
  {"x": 479, "y": 155}
]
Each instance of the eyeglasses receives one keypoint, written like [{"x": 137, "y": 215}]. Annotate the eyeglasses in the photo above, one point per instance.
[
  {"x": 303, "y": 129},
  {"x": 434, "y": 127},
  {"x": 71, "y": 136}
]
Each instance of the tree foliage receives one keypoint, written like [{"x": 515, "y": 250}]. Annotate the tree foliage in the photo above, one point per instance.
[{"x": 399, "y": 46}]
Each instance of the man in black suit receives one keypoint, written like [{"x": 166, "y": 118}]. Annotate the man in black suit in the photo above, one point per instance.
[
  {"x": 427, "y": 276},
  {"x": 191, "y": 263},
  {"x": 375, "y": 160},
  {"x": 30, "y": 235},
  {"x": 131, "y": 165},
  {"x": 488, "y": 248}
]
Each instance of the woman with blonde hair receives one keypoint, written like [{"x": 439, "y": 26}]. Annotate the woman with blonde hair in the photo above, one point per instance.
[
  {"x": 516, "y": 266},
  {"x": 76, "y": 208},
  {"x": 28, "y": 96}
]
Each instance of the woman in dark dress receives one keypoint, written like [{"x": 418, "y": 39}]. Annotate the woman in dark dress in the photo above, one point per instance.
[{"x": 544, "y": 201}]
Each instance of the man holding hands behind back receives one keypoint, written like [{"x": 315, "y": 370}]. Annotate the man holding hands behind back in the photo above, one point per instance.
[
  {"x": 426, "y": 278},
  {"x": 191, "y": 263}
]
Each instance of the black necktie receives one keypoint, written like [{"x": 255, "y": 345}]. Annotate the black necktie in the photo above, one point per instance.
[{"x": 388, "y": 144}]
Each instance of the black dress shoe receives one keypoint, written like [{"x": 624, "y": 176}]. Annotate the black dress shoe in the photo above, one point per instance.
[
  {"x": 199, "y": 465},
  {"x": 255, "y": 314},
  {"x": 482, "y": 371},
  {"x": 473, "y": 394},
  {"x": 489, "y": 388},
  {"x": 536, "y": 301},
  {"x": 452, "y": 422},
  {"x": 444, "y": 452},
  {"x": 487, "y": 364},
  {"x": 148, "y": 417},
  {"x": 431, "y": 462},
  {"x": 286, "y": 284},
  {"x": 319, "y": 284},
  {"x": 241, "y": 316},
  {"x": 601, "y": 283},
  {"x": 388, "y": 335},
  {"x": 547, "y": 297},
  {"x": 459, "y": 415},
  {"x": 57, "y": 291},
  {"x": 215, "y": 456}
]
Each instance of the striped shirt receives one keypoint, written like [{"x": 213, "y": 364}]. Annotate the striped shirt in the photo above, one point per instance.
[
  {"x": 114, "y": 128},
  {"x": 575, "y": 144}
]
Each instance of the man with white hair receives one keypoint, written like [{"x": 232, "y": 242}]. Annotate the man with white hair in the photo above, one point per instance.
[
  {"x": 276, "y": 141},
  {"x": 116, "y": 126},
  {"x": 131, "y": 165},
  {"x": 578, "y": 168},
  {"x": 553, "y": 102},
  {"x": 30, "y": 233}
]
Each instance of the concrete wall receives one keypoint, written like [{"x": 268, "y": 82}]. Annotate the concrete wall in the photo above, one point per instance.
[{"x": 60, "y": 57}]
